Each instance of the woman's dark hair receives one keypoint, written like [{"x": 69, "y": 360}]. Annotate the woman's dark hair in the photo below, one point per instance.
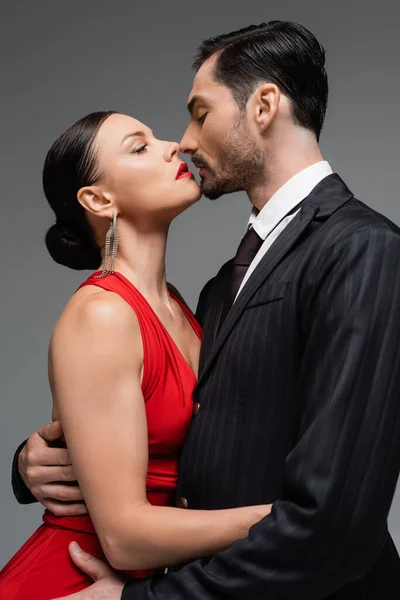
[
  {"x": 279, "y": 52},
  {"x": 70, "y": 165}
]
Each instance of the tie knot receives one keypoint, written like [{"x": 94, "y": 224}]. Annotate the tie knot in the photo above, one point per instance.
[{"x": 248, "y": 248}]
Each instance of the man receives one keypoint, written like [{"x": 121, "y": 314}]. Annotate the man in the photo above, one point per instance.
[{"x": 298, "y": 398}]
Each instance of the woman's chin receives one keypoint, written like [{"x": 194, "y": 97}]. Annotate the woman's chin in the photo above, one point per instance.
[
  {"x": 185, "y": 204},
  {"x": 193, "y": 195},
  {"x": 194, "y": 198},
  {"x": 168, "y": 213}
]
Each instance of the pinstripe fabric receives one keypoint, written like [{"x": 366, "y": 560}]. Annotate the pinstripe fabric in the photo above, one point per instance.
[{"x": 300, "y": 406}]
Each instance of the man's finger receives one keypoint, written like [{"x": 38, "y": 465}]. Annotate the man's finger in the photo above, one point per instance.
[
  {"x": 51, "y": 431},
  {"x": 45, "y": 475},
  {"x": 63, "y": 509},
  {"x": 111, "y": 589},
  {"x": 95, "y": 568},
  {"x": 52, "y": 456},
  {"x": 62, "y": 493}
]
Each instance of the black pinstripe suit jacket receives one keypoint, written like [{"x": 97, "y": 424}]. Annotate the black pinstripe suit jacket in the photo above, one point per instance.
[{"x": 299, "y": 398}]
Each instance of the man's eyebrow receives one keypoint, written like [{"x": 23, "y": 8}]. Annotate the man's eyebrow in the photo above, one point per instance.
[{"x": 193, "y": 101}]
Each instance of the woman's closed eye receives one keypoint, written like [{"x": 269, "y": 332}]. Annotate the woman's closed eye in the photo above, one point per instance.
[{"x": 139, "y": 149}]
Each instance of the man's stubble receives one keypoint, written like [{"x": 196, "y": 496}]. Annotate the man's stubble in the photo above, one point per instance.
[{"x": 239, "y": 167}]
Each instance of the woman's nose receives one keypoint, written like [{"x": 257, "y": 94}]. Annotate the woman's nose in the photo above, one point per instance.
[{"x": 171, "y": 150}]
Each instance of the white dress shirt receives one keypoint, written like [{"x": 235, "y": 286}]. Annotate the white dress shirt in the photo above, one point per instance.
[{"x": 272, "y": 218}]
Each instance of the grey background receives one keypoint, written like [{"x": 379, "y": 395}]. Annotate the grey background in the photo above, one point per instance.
[{"x": 61, "y": 60}]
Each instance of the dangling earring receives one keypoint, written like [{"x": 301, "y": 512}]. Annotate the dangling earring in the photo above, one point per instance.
[{"x": 109, "y": 260}]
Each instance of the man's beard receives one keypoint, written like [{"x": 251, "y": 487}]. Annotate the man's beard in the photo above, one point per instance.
[{"x": 240, "y": 167}]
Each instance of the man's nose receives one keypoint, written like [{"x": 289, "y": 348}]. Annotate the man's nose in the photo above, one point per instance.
[{"x": 188, "y": 143}]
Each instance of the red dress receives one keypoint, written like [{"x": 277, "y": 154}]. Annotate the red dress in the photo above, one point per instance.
[{"x": 42, "y": 568}]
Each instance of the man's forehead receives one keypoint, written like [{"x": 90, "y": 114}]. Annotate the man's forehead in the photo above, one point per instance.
[
  {"x": 204, "y": 83},
  {"x": 206, "y": 74}
]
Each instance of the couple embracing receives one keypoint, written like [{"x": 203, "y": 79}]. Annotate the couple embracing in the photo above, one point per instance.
[{"x": 250, "y": 450}]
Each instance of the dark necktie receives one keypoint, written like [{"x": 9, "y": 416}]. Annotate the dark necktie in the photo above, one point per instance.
[{"x": 248, "y": 248}]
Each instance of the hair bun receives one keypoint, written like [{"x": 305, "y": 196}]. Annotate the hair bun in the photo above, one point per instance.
[{"x": 68, "y": 248}]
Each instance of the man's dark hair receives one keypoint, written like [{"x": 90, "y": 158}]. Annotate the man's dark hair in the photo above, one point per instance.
[{"x": 279, "y": 52}]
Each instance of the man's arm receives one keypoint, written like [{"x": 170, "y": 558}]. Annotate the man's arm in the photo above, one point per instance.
[
  {"x": 21, "y": 491},
  {"x": 330, "y": 525}
]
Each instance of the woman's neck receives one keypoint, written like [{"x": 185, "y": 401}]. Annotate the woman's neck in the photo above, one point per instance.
[{"x": 141, "y": 259}]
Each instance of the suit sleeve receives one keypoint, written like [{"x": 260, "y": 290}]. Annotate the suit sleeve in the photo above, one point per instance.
[
  {"x": 329, "y": 526},
  {"x": 21, "y": 492}
]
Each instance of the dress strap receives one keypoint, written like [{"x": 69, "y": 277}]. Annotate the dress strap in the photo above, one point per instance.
[{"x": 153, "y": 354}]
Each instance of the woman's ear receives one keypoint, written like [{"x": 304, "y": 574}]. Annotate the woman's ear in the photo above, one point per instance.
[
  {"x": 266, "y": 103},
  {"x": 96, "y": 201}
]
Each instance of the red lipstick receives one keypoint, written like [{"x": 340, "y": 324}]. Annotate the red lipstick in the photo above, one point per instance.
[{"x": 183, "y": 172}]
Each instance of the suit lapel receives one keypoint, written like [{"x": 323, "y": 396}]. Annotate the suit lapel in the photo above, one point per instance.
[
  {"x": 325, "y": 199},
  {"x": 210, "y": 328},
  {"x": 269, "y": 262}
]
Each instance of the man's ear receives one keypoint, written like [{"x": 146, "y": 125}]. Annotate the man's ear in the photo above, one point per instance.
[{"x": 265, "y": 105}]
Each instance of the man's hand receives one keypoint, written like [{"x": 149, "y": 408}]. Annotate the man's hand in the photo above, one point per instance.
[
  {"x": 108, "y": 584},
  {"x": 46, "y": 471}
]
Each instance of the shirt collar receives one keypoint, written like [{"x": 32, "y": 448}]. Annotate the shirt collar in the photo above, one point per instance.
[{"x": 287, "y": 197}]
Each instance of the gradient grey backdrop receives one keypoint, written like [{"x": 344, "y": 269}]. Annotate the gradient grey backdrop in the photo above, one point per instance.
[{"x": 61, "y": 60}]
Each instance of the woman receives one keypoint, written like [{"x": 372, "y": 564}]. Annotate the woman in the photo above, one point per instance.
[{"x": 122, "y": 363}]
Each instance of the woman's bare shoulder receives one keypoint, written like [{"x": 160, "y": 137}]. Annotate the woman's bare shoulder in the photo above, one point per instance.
[{"x": 92, "y": 310}]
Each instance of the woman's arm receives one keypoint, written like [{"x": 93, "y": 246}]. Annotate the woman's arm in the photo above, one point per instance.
[{"x": 96, "y": 358}]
